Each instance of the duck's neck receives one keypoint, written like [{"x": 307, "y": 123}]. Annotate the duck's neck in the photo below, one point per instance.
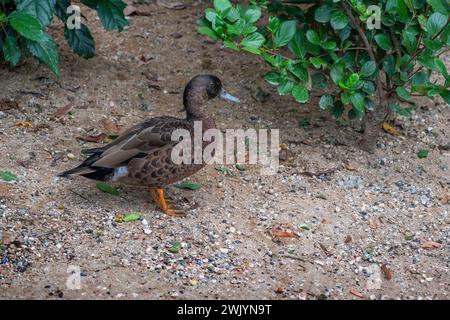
[{"x": 194, "y": 111}]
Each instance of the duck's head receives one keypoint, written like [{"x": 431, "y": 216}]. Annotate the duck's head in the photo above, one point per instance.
[{"x": 202, "y": 88}]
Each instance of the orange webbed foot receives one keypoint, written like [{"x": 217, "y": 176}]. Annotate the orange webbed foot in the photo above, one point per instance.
[{"x": 157, "y": 195}]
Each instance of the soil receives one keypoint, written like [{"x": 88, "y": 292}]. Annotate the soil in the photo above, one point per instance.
[{"x": 334, "y": 223}]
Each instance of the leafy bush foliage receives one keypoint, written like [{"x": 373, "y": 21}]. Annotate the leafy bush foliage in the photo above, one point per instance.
[
  {"x": 23, "y": 25},
  {"x": 331, "y": 45}
]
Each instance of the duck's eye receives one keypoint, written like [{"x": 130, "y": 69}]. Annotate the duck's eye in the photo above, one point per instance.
[{"x": 212, "y": 90}]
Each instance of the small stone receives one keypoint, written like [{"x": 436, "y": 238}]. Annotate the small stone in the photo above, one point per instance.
[
  {"x": 337, "y": 209},
  {"x": 70, "y": 156},
  {"x": 270, "y": 191}
]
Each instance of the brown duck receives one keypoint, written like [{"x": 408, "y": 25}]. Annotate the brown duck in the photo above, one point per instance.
[{"x": 142, "y": 154}]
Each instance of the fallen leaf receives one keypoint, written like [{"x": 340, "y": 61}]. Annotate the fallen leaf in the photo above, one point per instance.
[
  {"x": 279, "y": 290},
  {"x": 107, "y": 188},
  {"x": 175, "y": 247},
  {"x": 374, "y": 223},
  {"x": 445, "y": 199},
  {"x": 61, "y": 112},
  {"x": 6, "y": 104},
  {"x": 7, "y": 176},
  {"x": 132, "y": 217},
  {"x": 98, "y": 138},
  {"x": 430, "y": 245},
  {"x": 316, "y": 174},
  {"x": 390, "y": 129},
  {"x": 356, "y": 293},
  {"x": 348, "y": 239},
  {"x": 423, "y": 153},
  {"x": 24, "y": 124},
  {"x": 283, "y": 234},
  {"x": 188, "y": 185},
  {"x": 386, "y": 271},
  {"x": 352, "y": 166},
  {"x": 171, "y": 4},
  {"x": 129, "y": 10},
  {"x": 40, "y": 127},
  {"x": 327, "y": 252},
  {"x": 111, "y": 127}
]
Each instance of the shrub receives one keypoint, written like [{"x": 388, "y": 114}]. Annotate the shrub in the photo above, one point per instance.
[
  {"x": 368, "y": 56},
  {"x": 23, "y": 25}
]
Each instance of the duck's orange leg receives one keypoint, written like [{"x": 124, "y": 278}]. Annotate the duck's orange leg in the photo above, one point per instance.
[{"x": 157, "y": 195}]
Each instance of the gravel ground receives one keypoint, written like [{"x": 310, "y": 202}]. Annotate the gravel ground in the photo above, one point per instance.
[{"x": 334, "y": 223}]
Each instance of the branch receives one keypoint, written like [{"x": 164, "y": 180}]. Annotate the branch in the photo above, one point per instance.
[
  {"x": 361, "y": 33},
  {"x": 367, "y": 45}
]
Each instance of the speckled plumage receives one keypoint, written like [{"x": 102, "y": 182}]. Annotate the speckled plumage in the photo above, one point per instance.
[{"x": 144, "y": 151}]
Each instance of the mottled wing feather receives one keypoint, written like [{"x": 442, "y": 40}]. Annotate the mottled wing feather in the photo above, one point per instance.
[{"x": 149, "y": 135}]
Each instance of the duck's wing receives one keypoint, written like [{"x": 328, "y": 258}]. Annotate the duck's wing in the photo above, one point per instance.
[{"x": 137, "y": 141}]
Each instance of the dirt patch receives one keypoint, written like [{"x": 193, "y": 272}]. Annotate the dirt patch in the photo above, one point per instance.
[{"x": 357, "y": 223}]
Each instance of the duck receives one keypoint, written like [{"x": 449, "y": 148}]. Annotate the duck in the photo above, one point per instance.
[{"x": 141, "y": 155}]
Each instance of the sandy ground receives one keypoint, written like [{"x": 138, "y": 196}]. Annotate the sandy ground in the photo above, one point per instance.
[{"x": 361, "y": 224}]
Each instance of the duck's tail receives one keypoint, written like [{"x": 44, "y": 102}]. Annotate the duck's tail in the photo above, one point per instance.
[{"x": 87, "y": 170}]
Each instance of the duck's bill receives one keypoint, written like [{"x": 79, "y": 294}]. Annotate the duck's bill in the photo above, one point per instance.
[{"x": 225, "y": 95}]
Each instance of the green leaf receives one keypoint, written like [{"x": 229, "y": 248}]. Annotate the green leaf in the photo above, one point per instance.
[
  {"x": 325, "y": 101},
  {"x": 436, "y": 22},
  {"x": 81, "y": 41},
  {"x": 175, "y": 247},
  {"x": 304, "y": 227},
  {"x": 317, "y": 62},
  {"x": 41, "y": 9},
  {"x": 299, "y": 71},
  {"x": 272, "y": 77},
  {"x": 423, "y": 153},
  {"x": 357, "y": 100},
  {"x": 323, "y": 14},
  {"x": 132, "y": 217},
  {"x": 300, "y": 94},
  {"x": 441, "y": 6},
  {"x": 46, "y": 52},
  {"x": 297, "y": 44},
  {"x": 102, "y": 186},
  {"x": 409, "y": 238},
  {"x": 337, "y": 110},
  {"x": 285, "y": 88},
  {"x": 7, "y": 176},
  {"x": 252, "y": 14},
  {"x": 368, "y": 68},
  {"x": 319, "y": 80},
  {"x": 111, "y": 14},
  {"x": 328, "y": 45},
  {"x": 207, "y": 31},
  {"x": 383, "y": 41},
  {"x": 420, "y": 79},
  {"x": 285, "y": 33},
  {"x": 222, "y": 5},
  {"x": 254, "y": 40},
  {"x": 312, "y": 36},
  {"x": 403, "y": 93},
  {"x": 189, "y": 185},
  {"x": 338, "y": 20},
  {"x": 11, "y": 51},
  {"x": 445, "y": 94},
  {"x": 27, "y": 25}
]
